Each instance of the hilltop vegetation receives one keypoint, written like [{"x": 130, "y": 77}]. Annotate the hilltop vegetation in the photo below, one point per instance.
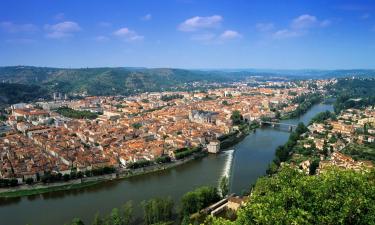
[
  {"x": 108, "y": 81},
  {"x": 14, "y": 93},
  {"x": 353, "y": 93}
]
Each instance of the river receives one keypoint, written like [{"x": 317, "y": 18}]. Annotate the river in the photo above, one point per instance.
[{"x": 245, "y": 163}]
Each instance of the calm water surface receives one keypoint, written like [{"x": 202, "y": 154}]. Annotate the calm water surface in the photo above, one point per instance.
[{"x": 250, "y": 160}]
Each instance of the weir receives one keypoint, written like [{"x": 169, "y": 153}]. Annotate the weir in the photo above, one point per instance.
[{"x": 227, "y": 167}]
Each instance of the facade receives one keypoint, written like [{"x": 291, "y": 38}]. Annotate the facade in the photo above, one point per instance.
[{"x": 213, "y": 147}]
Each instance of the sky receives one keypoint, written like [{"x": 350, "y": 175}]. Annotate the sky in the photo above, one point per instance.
[{"x": 193, "y": 34}]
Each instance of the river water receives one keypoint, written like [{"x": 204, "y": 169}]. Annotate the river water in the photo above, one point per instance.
[{"x": 245, "y": 163}]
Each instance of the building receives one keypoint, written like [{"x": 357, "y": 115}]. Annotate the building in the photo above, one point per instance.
[
  {"x": 213, "y": 147},
  {"x": 201, "y": 116}
]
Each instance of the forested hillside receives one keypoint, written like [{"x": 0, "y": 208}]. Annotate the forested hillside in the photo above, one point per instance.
[
  {"x": 353, "y": 93},
  {"x": 14, "y": 93},
  {"x": 109, "y": 81}
]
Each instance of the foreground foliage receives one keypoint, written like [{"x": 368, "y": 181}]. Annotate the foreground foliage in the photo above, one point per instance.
[{"x": 291, "y": 197}]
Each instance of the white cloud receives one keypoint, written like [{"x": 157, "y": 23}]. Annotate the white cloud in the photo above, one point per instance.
[
  {"x": 11, "y": 27},
  {"x": 307, "y": 21},
  {"x": 286, "y": 33},
  {"x": 147, "y": 17},
  {"x": 128, "y": 35},
  {"x": 62, "y": 30},
  {"x": 264, "y": 27},
  {"x": 198, "y": 23},
  {"x": 230, "y": 34},
  {"x": 301, "y": 26},
  {"x": 304, "y": 21}
]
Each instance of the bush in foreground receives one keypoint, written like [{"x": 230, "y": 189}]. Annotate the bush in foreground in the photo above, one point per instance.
[{"x": 291, "y": 197}]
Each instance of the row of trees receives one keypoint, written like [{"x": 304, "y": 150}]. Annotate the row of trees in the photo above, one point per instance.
[
  {"x": 321, "y": 117},
  {"x": 49, "y": 177},
  {"x": 145, "y": 163},
  {"x": 283, "y": 152},
  {"x": 158, "y": 210},
  {"x": 4, "y": 183},
  {"x": 304, "y": 103},
  {"x": 185, "y": 152},
  {"x": 155, "y": 211},
  {"x": 168, "y": 98}
]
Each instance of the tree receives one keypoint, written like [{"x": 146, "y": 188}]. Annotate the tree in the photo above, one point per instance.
[
  {"x": 157, "y": 210},
  {"x": 136, "y": 125},
  {"x": 301, "y": 128},
  {"x": 236, "y": 117},
  {"x": 115, "y": 217},
  {"x": 29, "y": 181},
  {"x": 196, "y": 200},
  {"x": 224, "y": 186},
  {"x": 97, "y": 220},
  {"x": 127, "y": 212},
  {"x": 290, "y": 197},
  {"x": 77, "y": 221},
  {"x": 66, "y": 177},
  {"x": 313, "y": 166}
]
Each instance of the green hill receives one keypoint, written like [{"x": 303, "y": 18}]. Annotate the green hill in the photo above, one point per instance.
[{"x": 108, "y": 81}]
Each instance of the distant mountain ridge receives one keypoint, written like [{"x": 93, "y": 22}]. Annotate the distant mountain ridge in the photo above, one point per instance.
[{"x": 128, "y": 80}]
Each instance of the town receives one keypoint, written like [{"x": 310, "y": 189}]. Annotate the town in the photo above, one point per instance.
[{"x": 72, "y": 138}]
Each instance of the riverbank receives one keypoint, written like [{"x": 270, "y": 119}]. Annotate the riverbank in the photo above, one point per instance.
[
  {"x": 36, "y": 189},
  {"x": 42, "y": 189},
  {"x": 233, "y": 138}
]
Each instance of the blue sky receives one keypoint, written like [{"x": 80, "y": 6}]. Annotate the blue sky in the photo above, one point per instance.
[{"x": 278, "y": 34}]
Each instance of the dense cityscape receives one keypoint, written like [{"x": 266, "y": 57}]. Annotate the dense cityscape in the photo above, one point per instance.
[
  {"x": 122, "y": 132},
  {"x": 187, "y": 112}
]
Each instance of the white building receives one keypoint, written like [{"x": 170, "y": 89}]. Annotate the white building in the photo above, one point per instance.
[{"x": 213, "y": 147}]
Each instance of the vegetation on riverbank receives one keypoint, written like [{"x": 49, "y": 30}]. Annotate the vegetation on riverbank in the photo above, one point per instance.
[
  {"x": 36, "y": 191},
  {"x": 159, "y": 210},
  {"x": 305, "y": 102},
  {"x": 244, "y": 128},
  {"x": 283, "y": 152},
  {"x": 321, "y": 117}
]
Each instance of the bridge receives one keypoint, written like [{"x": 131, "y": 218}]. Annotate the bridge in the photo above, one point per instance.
[{"x": 274, "y": 124}]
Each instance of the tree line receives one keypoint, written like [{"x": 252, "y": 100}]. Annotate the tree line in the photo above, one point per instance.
[
  {"x": 283, "y": 152},
  {"x": 160, "y": 210}
]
